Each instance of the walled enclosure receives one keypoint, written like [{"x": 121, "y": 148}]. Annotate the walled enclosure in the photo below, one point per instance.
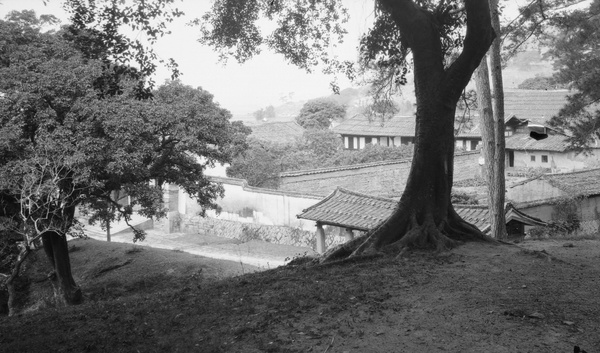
[
  {"x": 588, "y": 212},
  {"x": 538, "y": 198},
  {"x": 386, "y": 179},
  {"x": 247, "y": 212}
]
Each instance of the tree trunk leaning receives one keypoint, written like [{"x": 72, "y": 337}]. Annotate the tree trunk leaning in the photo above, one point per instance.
[{"x": 57, "y": 251}]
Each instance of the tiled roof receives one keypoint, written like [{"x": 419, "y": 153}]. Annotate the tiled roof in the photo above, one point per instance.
[
  {"x": 362, "y": 126},
  {"x": 537, "y": 106},
  {"x": 395, "y": 126},
  {"x": 294, "y": 173},
  {"x": 523, "y": 142},
  {"x": 345, "y": 208},
  {"x": 475, "y": 131},
  {"x": 583, "y": 182},
  {"x": 281, "y": 132},
  {"x": 349, "y": 209}
]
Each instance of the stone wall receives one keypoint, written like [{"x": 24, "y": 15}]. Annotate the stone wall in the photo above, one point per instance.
[
  {"x": 386, "y": 179},
  {"x": 247, "y": 231}
]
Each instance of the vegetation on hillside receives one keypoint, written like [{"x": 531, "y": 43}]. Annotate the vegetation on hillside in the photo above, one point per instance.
[{"x": 263, "y": 161}]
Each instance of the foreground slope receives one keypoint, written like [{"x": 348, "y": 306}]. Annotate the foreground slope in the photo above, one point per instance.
[{"x": 476, "y": 298}]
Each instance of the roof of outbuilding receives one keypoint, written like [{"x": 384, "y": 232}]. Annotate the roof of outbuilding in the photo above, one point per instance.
[
  {"x": 523, "y": 142},
  {"x": 294, "y": 173},
  {"x": 360, "y": 125},
  {"x": 350, "y": 209},
  {"x": 537, "y": 106},
  {"x": 281, "y": 132},
  {"x": 584, "y": 182},
  {"x": 363, "y": 126}
]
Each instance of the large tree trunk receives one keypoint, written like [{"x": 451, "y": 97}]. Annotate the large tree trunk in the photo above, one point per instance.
[
  {"x": 425, "y": 217},
  {"x": 57, "y": 251}
]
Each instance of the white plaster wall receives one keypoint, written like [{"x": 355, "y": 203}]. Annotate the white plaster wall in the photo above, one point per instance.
[
  {"x": 254, "y": 205},
  {"x": 533, "y": 190},
  {"x": 558, "y": 162}
]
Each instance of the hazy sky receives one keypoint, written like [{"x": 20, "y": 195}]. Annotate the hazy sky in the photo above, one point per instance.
[
  {"x": 267, "y": 79},
  {"x": 245, "y": 88}
]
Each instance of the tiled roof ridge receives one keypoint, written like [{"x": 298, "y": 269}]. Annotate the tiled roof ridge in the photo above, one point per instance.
[
  {"x": 244, "y": 184},
  {"x": 343, "y": 191},
  {"x": 287, "y": 122},
  {"x": 537, "y": 90},
  {"x": 549, "y": 176},
  {"x": 343, "y": 167},
  {"x": 558, "y": 181},
  {"x": 580, "y": 171},
  {"x": 359, "y": 194},
  {"x": 523, "y": 182},
  {"x": 358, "y": 166}
]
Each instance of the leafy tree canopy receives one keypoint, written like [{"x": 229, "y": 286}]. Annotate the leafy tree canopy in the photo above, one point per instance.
[
  {"x": 541, "y": 83},
  {"x": 320, "y": 113},
  {"x": 74, "y": 128},
  {"x": 577, "y": 56},
  {"x": 104, "y": 20}
]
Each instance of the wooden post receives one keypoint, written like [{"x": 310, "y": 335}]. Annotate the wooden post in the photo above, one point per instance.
[
  {"x": 348, "y": 234},
  {"x": 320, "y": 239}
]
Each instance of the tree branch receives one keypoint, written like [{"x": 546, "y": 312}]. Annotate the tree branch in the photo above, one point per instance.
[{"x": 478, "y": 39}]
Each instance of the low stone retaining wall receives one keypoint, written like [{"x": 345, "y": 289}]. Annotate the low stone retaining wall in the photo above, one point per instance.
[{"x": 250, "y": 231}]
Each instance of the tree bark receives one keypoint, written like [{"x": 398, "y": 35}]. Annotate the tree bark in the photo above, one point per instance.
[
  {"x": 425, "y": 217},
  {"x": 10, "y": 282},
  {"x": 488, "y": 139},
  {"x": 57, "y": 251},
  {"x": 498, "y": 221},
  {"x": 491, "y": 114}
]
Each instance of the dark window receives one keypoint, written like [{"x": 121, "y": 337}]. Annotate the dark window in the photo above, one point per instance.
[
  {"x": 533, "y": 158},
  {"x": 350, "y": 143},
  {"x": 544, "y": 159}
]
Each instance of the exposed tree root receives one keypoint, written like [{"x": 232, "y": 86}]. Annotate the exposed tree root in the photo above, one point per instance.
[{"x": 403, "y": 231}]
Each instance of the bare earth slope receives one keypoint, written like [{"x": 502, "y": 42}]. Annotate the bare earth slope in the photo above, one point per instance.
[{"x": 476, "y": 298}]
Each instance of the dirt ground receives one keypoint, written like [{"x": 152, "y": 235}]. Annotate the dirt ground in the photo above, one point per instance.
[{"x": 536, "y": 296}]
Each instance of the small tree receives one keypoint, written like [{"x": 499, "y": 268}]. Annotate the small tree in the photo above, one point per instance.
[
  {"x": 270, "y": 112},
  {"x": 259, "y": 115},
  {"x": 47, "y": 188},
  {"x": 320, "y": 113}
]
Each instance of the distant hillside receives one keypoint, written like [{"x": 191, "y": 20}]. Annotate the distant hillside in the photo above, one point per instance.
[
  {"x": 527, "y": 64},
  {"x": 353, "y": 98}
]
